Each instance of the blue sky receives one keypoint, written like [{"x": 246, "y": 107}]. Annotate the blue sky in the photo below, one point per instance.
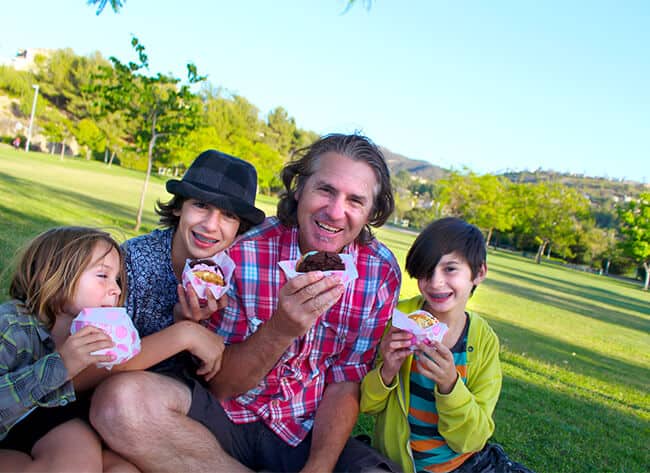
[{"x": 491, "y": 86}]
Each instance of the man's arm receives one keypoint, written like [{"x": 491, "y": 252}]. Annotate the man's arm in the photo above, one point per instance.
[
  {"x": 301, "y": 301},
  {"x": 333, "y": 424}
]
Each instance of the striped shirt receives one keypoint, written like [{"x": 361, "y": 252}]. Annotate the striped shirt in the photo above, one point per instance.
[
  {"x": 430, "y": 449},
  {"x": 339, "y": 347},
  {"x": 32, "y": 374}
]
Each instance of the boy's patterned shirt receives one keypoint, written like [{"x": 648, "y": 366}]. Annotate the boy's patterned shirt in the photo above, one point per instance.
[
  {"x": 151, "y": 282},
  {"x": 339, "y": 347},
  {"x": 32, "y": 374}
]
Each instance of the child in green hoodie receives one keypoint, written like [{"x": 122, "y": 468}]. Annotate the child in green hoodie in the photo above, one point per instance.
[{"x": 434, "y": 401}]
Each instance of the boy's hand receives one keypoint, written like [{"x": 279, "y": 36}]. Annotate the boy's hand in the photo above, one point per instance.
[
  {"x": 76, "y": 350},
  {"x": 208, "y": 347},
  {"x": 394, "y": 349},
  {"x": 436, "y": 362},
  {"x": 189, "y": 307}
]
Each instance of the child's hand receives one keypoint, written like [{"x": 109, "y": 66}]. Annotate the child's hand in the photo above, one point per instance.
[
  {"x": 76, "y": 350},
  {"x": 436, "y": 362},
  {"x": 188, "y": 306},
  {"x": 208, "y": 347},
  {"x": 394, "y": 349}
]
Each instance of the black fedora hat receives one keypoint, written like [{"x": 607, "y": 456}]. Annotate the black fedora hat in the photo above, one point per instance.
[{"x": 222, "y": 180}]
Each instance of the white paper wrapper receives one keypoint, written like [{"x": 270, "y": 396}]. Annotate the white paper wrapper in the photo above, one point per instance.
[
  {"x": 116, "y": 323},
  {"x": 433, "y": 333},
  {"x": 347, "y": 276},
  {"x": 200, "y": 286}
]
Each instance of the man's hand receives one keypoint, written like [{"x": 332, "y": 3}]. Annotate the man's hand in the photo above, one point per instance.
[
  {"x": 394, "y": 348},
  {"x": 189, "y": 307},
  {"x": 303, "y": 299},
  {"x": 300, "y": 302},
  {"x": 436, "y": 362},
  {"x": 76, "y": 350}
]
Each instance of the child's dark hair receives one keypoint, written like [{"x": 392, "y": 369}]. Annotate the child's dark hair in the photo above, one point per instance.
[
  {"x": 169, "y": 219},
  {"x": 440, "y": 238},
  {"x": 49, "y": 268}
]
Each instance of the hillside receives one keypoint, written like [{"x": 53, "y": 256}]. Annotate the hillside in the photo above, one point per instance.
[
  {"x": 597, "y": 189},
  {"x": 422, "y": 169}
]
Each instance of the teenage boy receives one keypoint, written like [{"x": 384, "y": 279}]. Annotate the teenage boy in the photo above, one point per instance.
[{"x": 212, "y": 204}]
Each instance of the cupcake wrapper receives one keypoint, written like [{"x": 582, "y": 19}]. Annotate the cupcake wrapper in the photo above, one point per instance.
[
  {"x": 347, "y": 276},
  {"x": 434, "y": 333},
  {"x": 200, "y": 286},
  {"x": 116, "y": 323}
]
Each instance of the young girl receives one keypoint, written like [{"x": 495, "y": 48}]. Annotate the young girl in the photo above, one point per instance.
[
  {"x": 43, "y": 369},
  {"x": 41, "y": 429},
  {"x": 434, "y": 401}
]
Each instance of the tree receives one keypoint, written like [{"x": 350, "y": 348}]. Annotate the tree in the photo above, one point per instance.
[
  {"x": 593, "y": 243},
  {"x": 113, "y": 127},
  {"x": 547, "y": 212},
  {"x": 481, "y": 200},
  {"x": 279, "y": 132},
  {"x": 155, "y": 107},
  {"x": 57, "y": 128},
  {"x": 116, "y": 5},
  {"x": 90, "y": 136},
  {"x": 635, "y": 228}
]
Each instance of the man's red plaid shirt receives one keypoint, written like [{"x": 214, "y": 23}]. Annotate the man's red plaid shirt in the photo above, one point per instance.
[{"x": 341, "y": 345}]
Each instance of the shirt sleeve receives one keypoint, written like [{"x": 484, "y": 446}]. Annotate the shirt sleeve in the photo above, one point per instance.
[
  {"x": 465, "y": 414},
  {"x": 31, "y": 385},
  {"x": 357, "y": 357},
  {"x": 374, "y": 393}
]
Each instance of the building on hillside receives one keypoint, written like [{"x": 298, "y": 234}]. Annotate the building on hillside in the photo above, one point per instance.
[{"x": 24, "y": 58}]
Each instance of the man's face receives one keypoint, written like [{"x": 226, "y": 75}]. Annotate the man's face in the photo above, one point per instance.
[{"x": 335, "y": 203}]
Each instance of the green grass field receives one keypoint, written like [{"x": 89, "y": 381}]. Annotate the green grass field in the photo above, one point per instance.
[{"x": 575, "y": 346}]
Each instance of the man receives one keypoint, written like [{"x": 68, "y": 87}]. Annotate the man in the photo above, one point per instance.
[{"x": 297, "y": 349}]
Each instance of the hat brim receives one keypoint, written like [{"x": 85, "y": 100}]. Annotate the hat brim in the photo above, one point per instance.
[{"x": 234, "y": 204}]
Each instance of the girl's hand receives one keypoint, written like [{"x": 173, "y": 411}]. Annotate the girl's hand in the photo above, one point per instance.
[
  {"x": 188, "y": 306},
  {"x": 436, "y": 362},
  {"x": 394, "y": 349},
  {"x": 76, "y": 350},
  {"x": 208, "y": 347}
]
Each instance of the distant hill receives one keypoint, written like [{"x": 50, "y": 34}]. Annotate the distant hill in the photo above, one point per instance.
[
  {"x": 423, "y": 169},
  {"x": 597, "y": 189}
]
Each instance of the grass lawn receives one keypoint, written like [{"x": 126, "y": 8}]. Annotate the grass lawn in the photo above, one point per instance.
[{"x": 574, "y": 346}]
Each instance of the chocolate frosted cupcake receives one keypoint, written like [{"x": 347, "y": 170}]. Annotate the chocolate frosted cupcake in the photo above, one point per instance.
[{"x": 320, "y": 261}]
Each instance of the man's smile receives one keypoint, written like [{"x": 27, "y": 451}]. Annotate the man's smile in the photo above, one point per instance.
[{"x": 328, "y": 228}]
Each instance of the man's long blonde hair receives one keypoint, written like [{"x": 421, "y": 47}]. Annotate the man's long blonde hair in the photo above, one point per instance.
[{"x": 49, "y": 268}]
